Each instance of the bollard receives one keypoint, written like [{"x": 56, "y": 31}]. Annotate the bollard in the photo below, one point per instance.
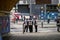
[
  {"x": 23, "y": 28},
  {"x": 42, "y": 24}
]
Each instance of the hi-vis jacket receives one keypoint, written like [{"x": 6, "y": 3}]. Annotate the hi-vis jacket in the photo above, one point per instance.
[
  {"x": 30, "y": 22},
  {"x": 25, "y": 23}
]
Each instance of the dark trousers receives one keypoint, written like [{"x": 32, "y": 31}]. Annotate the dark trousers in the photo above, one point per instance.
[
  {"x": 48, "y": 21},
  {"x": 35, "y": 28},
  {"x": 30, "y": 28},
  {"x": 26, "y": 29},
  {"x": 58, "y": 28}
]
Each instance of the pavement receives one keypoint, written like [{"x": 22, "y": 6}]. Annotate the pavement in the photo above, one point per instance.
[
  {"x": 18, "y": 27},
  {"x": 33, "y": 36},
  {"x": 46, "y": 33}
]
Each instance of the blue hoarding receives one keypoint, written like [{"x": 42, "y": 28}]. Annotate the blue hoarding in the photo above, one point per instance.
[
  {"x": 5, "y": 24},
  {"x": 53, "y": 15},
  {"x": 50, "y": 15}
]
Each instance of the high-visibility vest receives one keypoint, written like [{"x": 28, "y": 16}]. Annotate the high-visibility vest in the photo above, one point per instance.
[
  {"x": 25, "y": 23},
  {"x": 30, "y": 23}
]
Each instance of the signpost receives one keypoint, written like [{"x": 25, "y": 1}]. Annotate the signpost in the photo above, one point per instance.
[{"x": 30, "y": 7}]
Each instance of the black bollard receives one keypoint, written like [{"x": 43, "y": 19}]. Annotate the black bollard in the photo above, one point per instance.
[{"x": 42, "y": 24}]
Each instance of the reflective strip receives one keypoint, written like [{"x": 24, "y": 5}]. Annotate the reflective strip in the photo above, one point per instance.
[{"x": 30, "y": 23}]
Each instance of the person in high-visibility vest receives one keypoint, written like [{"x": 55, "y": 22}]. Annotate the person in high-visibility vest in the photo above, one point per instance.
[
  {"x": 35, "y": 25},
  {"x": 30, "y": 25},
  {"x": 25, "y": 24}
]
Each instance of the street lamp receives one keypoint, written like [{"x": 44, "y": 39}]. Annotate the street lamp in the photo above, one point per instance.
[{"x": 31, "y": 10}]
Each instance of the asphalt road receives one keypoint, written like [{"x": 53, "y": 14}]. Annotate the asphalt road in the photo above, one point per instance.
[{"x": 33, "y": 36}]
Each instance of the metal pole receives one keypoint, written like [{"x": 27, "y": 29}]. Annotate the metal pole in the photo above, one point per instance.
[
  {"x": 42, "y": 23},
  {"x": 45, "y": 10},
  {"x": 30, "y": 7}
]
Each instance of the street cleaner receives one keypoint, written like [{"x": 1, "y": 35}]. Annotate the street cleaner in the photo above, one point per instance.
[
  {"x": 30, "y": 26},
  {"x": 25, "y": 26}
]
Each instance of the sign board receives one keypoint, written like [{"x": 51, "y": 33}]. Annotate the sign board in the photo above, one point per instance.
[{"x": 43, "y": 1}]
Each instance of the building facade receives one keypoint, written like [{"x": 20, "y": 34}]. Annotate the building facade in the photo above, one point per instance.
[
  {"x": 35, "y": 7},
  {"x": 54, "y": 1}
]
